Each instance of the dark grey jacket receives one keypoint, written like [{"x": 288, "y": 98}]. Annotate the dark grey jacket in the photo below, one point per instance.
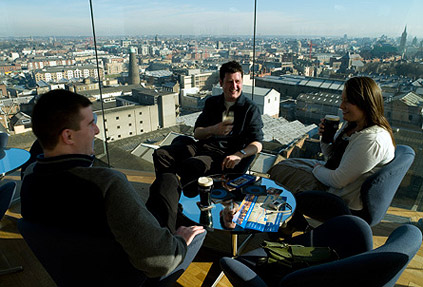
[
  {"x": 247, "y": 123},
  {"x": 66, "y": 191}
]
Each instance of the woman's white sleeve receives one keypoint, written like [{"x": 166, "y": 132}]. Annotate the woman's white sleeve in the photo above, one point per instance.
[{"x": 362, "y": 156}]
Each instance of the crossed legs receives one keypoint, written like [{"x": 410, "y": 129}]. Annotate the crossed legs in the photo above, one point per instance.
[{"x": 317, "y": 204}]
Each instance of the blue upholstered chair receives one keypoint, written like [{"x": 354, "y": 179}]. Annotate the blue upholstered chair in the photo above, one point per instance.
[
  {"x": 4, "y": 139},
  {"x": 7, "y": 191},
  {"x": 347, "y": 235},
  {"x": 35, "y": 150},
  {"x": 74, "y": 259},
  {"x": 379, "y": 267},
  {"x": 378, "y": 191}
]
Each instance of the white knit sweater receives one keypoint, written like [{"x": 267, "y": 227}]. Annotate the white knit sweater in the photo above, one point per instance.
[{"x": 367, "y": 151}]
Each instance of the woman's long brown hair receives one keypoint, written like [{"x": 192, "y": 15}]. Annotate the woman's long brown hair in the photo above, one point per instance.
[{"x": 366, "y": 94}]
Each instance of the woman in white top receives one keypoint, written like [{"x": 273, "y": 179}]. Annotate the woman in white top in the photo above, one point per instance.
[{"x": 361, "y": 147}]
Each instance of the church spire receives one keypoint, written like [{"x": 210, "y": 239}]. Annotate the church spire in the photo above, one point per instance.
[{"x": 403, "y": 41}]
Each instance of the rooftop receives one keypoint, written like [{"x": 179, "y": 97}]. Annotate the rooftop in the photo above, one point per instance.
[
  {"x": 159, "y": 74},
  {"x": 108, "y": 90},
  {"x": 330, "y": 99},
  {"x": 247, "y": 89},
  {"x": 410, "y": 99},
  {"x": 64, "y": 68},
  {"x": 294, "y": 80}
]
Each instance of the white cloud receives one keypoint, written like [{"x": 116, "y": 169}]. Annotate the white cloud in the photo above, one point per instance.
[{"x": 340, "y": 8}]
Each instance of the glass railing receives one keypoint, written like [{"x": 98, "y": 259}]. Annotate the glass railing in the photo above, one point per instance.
[{"x": 147, "y": 66}]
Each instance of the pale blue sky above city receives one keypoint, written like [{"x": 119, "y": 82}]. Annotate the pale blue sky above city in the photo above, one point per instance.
[{"x": 366, "y": 18}]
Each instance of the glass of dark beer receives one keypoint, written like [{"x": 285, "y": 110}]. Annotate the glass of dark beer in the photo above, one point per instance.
[
  {"x": 331, "y": 123},
  {"x": 205, "y": 185}
]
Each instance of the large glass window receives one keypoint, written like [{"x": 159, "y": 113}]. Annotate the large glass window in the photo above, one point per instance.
[
  {"x": 149, "y": 66},
  {"x": 306, "y": 50},
  {"x": 43, "y": 46}
]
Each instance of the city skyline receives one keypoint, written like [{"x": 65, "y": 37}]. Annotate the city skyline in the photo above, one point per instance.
[{"x": 371, "y": 18}]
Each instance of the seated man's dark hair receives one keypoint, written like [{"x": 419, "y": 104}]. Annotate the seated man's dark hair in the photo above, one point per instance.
[
  {"x": 55, "y": 111},
  {"x": 230, "y": 67}
]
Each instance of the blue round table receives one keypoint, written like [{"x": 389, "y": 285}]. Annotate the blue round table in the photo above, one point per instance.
[
  {"x": 12, "y": 159},
  {"x": 192, "y": 211}
]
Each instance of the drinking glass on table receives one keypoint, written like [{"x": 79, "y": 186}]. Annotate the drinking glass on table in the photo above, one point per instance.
[{"x": 227, "y": 214}]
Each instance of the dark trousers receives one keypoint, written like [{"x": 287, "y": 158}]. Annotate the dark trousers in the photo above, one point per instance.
[
  {"x": 163, "y": 200},
  {"x": 317, "y": 204},
  {"x": 163, "y": 204},
  {"x": 191, "y": 160},
  {"x": 170, "y": 279}
]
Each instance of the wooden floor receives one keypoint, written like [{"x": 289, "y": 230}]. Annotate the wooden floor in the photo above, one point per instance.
[{"x": 202, "y": 272}]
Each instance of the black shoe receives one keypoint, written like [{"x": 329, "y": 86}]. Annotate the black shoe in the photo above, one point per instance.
[
  {"x": 284, "y": 232},
  {"x": 419, "y": 224}
]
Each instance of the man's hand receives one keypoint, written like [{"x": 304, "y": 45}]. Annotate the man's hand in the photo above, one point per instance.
[
  {"x": 222, "y": 128},
  {"x": 188, "y": 233},
  {"x": 219, "y": 129},
  {"x": 231, "y": 161}
]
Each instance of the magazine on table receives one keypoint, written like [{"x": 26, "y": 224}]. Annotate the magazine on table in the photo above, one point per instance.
[{"x": 257, "y": 212}]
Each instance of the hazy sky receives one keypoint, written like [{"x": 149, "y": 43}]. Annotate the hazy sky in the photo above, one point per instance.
[{"x": 218, "y": 17}]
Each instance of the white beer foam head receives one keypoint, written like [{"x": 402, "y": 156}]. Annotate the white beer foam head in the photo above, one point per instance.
[
  {"x": 205, "y": 181},
  {"x": 332, "y": 118}
]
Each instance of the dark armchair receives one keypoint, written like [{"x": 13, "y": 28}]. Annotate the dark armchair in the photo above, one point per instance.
[
  {"x": 74, "y": 259},
  {"x": 7, "y": 191},
  {"x": 378, "y": 267},
  {"x": 81, "y": 259}
]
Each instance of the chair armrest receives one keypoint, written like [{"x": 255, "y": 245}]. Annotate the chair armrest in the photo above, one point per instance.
[{"x": 239, "y": 274}]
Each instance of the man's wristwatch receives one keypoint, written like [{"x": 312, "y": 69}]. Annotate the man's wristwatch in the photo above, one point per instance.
[{"x": 243, "y": 152}]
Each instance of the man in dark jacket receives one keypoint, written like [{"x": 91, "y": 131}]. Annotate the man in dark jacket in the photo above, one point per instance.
[
  {"x": 228, "y": 130},
  {"x": 62, "y": 189}
]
